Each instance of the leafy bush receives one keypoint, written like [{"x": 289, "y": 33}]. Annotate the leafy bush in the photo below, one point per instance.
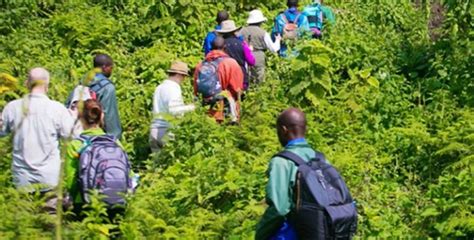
[{"x": 390, "y": 107}]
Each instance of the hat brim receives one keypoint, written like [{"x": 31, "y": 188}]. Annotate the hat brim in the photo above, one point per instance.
[
  {"x": 257, "y": 21},
  {"x": 228, "y": 30},
  {"x": 178, "y": 72}
]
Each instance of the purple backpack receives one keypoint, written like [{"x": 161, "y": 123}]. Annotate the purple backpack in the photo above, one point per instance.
[{"x": 104, "y": 166}]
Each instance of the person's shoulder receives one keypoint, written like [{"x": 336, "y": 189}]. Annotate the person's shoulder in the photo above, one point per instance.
[
  {"x": 277, "y": 161},
  {"x": 229, "y": 61},
  {"x": 13, "y": 104},
  {"x": 57, "y": 105}
]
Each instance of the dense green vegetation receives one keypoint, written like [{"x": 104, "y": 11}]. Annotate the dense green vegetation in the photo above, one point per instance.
[{"x": 389, "y": 98}]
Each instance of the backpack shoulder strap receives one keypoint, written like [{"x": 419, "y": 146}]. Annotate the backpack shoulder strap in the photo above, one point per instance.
[
  {"x": 296, "y": 18},
  {"x": 86, "y": 142},
  {"x": 100, "y": 84},
  {"x": 320, "y": 156},
  {"x": 283, "y": 15},
  {"x": 292, "y": 157}
]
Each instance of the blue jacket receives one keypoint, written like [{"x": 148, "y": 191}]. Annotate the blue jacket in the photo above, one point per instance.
[
  {"x": 207, "y": 46},
  {"x": 280, "y": 23},
  {"x": 314, "y": 14}
]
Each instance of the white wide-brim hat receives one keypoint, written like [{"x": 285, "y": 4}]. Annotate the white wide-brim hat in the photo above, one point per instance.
[{"x": 256, "y": 16}]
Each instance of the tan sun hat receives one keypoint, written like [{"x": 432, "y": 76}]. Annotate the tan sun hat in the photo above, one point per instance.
[
  {"x": 228, "y": 26},
  {"x": 179, "y": 67},
  {"x": 256, "y": 16}
]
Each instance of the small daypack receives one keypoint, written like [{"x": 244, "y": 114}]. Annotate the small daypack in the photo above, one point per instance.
[
  {"x": 315, "y": 19},
  {"x": 324, "y": 206},
  {"x": 208, "y": 83},
  {"x": 92, "y": 89},
  {"x": 290, "y": 29},
  {"x": 97, "y": 86},
  {"x": 104, "y": 166}
]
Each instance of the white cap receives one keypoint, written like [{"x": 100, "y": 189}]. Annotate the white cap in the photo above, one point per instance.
[
  {"x": 81, "y": 93},
  {"x": 256, "y": 16}
]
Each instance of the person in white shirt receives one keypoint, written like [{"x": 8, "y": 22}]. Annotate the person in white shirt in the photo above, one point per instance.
[
  {"x": 167, "y": 103},
  {"x": 37, "y": 124},
  {"x": 259, "y": 41}
]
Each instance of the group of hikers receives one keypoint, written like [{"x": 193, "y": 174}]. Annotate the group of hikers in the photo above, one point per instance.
[{"x": 307, "y": 199}]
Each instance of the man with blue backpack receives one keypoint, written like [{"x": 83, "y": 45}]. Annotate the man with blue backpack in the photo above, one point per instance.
[
  {"x": 306, "y": 196},
  {"x": 219, "y": 80},
  {"x": 290, "y": 24}
]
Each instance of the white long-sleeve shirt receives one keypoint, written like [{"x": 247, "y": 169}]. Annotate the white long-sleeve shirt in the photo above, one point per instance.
[
  {"x": 38, "y": 123},
  {"x": 168, "y": 100},
  {"x": 272, "y": 46}
]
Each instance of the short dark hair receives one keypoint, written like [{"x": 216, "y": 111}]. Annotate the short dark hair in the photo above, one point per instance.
[
  {"x": 102, "y": 60},
  {"x": 292, "y": 3},
  {"x": 222, "y": 16},
  {"x": 218, "y": 43}
]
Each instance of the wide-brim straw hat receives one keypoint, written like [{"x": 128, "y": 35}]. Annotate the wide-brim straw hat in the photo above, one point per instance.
[
  {"x": 179, "y": 67},
  {"x": 228, "y": 26},
  {"x": 256, "y": 16}
]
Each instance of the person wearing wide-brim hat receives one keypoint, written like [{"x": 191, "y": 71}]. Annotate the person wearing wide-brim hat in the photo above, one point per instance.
[
  {"x": 236, "y": 48},
  {"x": 168, "y": 103},
  {"x": 260, "y": 41}
]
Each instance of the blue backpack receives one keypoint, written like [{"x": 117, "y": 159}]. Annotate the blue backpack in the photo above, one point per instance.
[
  {"x": 208, "y": 83},
  {"x": 324, "y": 206},
  {"x": 104, "y": 166},
  {"x": 315, "y": 18}
]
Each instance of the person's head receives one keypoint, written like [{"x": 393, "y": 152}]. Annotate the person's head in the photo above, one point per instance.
[
  {"x": 291, "y": 124},
  {"x": 38, "y": 80},
  {"x": 105, "y": 63},
  {"x": 91, "y": 114},
  {"x": 292, "y": 3},
  {"x": 218, "y": 43},
  {"x": 178, "y": 71},
  {"x": 228, "y": 29},
  {"x": 256, "y": 18},
  {"x": 222, "y": 16}
]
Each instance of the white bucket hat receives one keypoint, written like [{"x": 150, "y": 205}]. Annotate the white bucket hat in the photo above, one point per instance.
[
  {"x": 256, "y": 16},
  {"x": 81, "y": 93}
]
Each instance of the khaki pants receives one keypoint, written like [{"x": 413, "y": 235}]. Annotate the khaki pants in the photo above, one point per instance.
[{"x": 257, "y": 72}]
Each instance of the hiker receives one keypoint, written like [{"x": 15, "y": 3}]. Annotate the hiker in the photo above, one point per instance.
[
  {"x": 37, "y": 124},
  {"x": 89, "y": 164},
  {"x": 260, "y": 41},
  {"x": 318, "y": 15},
  {"x": 236, "y": 48},
  {"x": 315, "y": 18},
  {"x": 219, "y": 80},
  {"x": 79, "y": 95},
  {"x": 207, "y": 46},
  {"x": 102, "y": 89},
  {"x": 294, "y": 210},
  {"x": 167, "y": 103},
  {"x": 290, "y": 25},
  {"x": 328, "y": 14}
]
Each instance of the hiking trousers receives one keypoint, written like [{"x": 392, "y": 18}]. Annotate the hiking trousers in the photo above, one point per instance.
[
  {"x": 257, "y": 72},
  {"x": 158, "y": 134}
]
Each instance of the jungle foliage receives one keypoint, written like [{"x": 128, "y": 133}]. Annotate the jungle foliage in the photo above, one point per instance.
[{"x": 391, "y": 107}]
